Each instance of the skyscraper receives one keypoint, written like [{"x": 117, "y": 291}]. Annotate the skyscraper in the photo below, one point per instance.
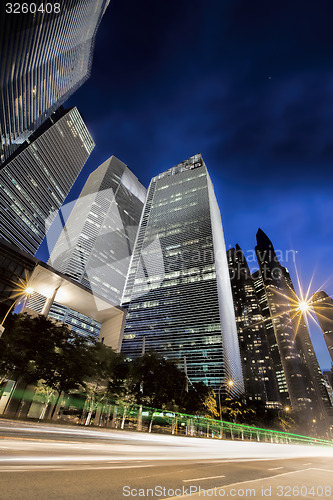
[
  {"x": 259, "y": 377},
  {"x": 320, "y": 396},
  {"x": 45, "y": 55},
  {"x": 96, "y": 243},
  {"x": 178, "y": 289},
  {"x": 294, "y": 360},
  {"x": 323, "y": 306},
  {"x": 277, "y": 365},
  {"x": 36, "y": 181}
]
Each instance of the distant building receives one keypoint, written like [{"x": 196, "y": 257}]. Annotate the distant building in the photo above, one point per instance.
[
  {"x": 328, "y": 379},
  {"x": 323, "y": 307},
  {"x": 45, "y": 55},
  {"x": 277, "y": 365},
  {"x": 178, "y": 289},
  {"x": 259, "y": 376},
  {"x": 295, "y": 363},
  {"x": 36, "y": 181},
  {"x": 95, "y": 244}
]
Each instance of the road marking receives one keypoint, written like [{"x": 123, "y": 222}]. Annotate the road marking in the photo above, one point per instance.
[
  {"x": 51, "y": 468},
  {"x": 276, "y": 468},
  {"x": 200, "y": 479},
  {"x": 324, "y": 470},
  {"x": 236, "y": 460},
  {"x": 251, "y": 481}
]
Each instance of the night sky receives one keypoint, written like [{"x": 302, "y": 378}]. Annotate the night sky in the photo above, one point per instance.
[{"x": 247, "y": 83}]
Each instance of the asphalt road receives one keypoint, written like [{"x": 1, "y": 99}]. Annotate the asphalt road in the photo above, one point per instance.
[{"x": 39, "y": 461}]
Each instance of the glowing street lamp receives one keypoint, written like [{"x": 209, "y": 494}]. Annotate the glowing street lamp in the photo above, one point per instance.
[
  {"x": 230, "y": 383},
  {"x": 23, "y": 293}
]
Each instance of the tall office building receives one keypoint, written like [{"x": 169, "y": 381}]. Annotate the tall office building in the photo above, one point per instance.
[
  {"x": 96, "y": 243},
  {"x": 320, "y": 397},
  {"x": 178, "y": 289},
  {"x": 45, "y": 55},
  {"x": 328, "y": 379},
  {"x": 36, "y": 181},
  {"x": 323, "y": 307},
  {"x": 277, "y": 365},
  {"x": 294, "y": 360},
  {"x": 259, "y": 377}
]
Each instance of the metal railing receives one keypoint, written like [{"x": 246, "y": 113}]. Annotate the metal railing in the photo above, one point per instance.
[{"x": 82, "y": 409}]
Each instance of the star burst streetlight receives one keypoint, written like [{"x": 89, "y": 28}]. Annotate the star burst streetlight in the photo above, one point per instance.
[{"x": 22, "y": 291}]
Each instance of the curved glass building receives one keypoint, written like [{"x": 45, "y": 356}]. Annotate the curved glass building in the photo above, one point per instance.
[{"x": 45, "y": 55}]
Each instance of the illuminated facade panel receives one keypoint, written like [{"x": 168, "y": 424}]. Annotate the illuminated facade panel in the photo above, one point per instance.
[{"x": 178, "y": 289}]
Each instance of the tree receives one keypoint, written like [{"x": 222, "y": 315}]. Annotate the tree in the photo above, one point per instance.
[
  {"x": 236, "y": 410},
  {"x": 200, "y": 400},
  {"x": 156, "y": 381},
  {"x": 28, "y": 346},
  {"x": 38, "y": 348},
  {"x": 107, "y": 377}
]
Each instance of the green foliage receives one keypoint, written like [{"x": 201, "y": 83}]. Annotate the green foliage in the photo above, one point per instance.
[
  {"x": 156, "y": 381},
  {"x": 200, "y": 400},
  {"x": 37, "y": 348},
  {"x": 107, "y": 375},
  {"x": 236, "y": 410}
]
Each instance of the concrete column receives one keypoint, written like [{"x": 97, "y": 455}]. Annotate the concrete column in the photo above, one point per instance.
[
  {"x": 48, "y": 303},
  {"x": 112, "y": 330}
]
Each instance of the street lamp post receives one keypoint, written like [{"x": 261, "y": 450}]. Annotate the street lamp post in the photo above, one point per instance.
[
  {"x": 285, "y": 410},
  {"x": 230, "y": 383},
  {"x": 25, "y": 293},
  {"x": 314, "y": 427}
]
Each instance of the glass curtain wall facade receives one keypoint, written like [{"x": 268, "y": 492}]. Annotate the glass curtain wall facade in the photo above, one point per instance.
[
  {"x": 259, "y": 377},
  {"x": 96, "y": 243},
  {"x": 323, "y": 307},
  {"x": 178, "y": 289},
  {"x": 280, "y": 377},
  {"x": 36, "y": 181},
  {"x": 44, "y": 57}
]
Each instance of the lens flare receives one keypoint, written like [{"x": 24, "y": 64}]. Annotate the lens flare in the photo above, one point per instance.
[
  {"x": 296, "y": 308},
  {"x": 304, "y": 306}
]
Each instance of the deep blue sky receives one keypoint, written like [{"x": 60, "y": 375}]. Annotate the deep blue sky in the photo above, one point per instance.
[{"x": 249, "y": 84}]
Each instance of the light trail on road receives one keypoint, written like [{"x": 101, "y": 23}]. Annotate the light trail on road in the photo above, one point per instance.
[{"x": 61, "y": 462}]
